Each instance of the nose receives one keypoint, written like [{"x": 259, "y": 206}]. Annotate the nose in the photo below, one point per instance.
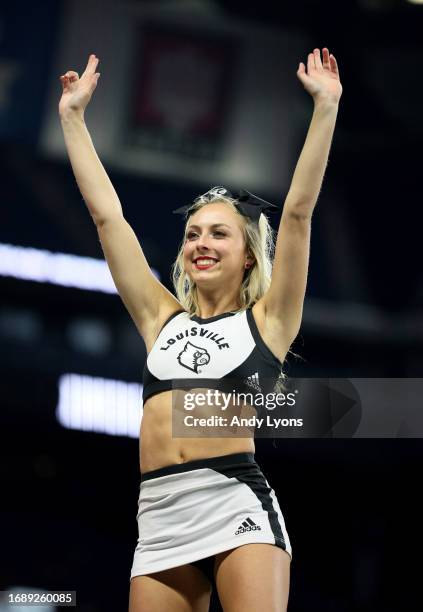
[{"x": 202, "y": 242}]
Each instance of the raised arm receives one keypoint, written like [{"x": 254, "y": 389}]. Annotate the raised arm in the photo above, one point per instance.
[
  {"x": 283, "y": 302},
  {"x": 146, "y": 299}
]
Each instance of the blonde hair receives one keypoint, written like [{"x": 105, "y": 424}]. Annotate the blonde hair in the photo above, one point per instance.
[{"x": 260, "y": 243}]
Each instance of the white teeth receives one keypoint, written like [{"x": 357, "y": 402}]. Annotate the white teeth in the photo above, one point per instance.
[{"x": 205, "y": 262}]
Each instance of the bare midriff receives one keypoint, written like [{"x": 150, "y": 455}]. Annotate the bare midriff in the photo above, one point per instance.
[{"x": 158, "y": 447}]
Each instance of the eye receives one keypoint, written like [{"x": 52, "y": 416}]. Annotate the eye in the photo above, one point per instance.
[{"x": 192, "y": 235}]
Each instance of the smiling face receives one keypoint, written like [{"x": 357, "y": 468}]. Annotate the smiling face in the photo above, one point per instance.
[{"x": 214, "y": 249}]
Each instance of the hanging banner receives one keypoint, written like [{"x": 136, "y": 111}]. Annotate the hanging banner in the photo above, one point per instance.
[{"x": 182, "y": 90}]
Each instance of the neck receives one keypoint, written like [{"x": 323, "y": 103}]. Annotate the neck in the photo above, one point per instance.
[{"x": 213, "y": 304}]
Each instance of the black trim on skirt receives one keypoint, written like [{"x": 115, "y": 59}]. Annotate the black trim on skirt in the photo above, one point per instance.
[
  {"x": 245, "y": 469},
  {"x": 214, "y": 463}
]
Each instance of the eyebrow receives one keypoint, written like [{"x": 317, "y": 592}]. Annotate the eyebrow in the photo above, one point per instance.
[{"x": 212, "y": 226}]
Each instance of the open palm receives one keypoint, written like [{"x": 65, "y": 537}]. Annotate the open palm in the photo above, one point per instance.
[{"x": 321, "y": 79}]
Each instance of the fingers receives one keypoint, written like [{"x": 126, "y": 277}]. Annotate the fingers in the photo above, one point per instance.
[
  {"x": 326, "y": 59},
  {"x": 69, "y": 77},
  {"x": 314, "y": 61},
  {"x": 92, "y": 64},
  {"x": 64, "y": 80},
  {"x": 317, "y": 59},
  {"x": 334, "y": 65},
  {"x": 72, "y": 76}
]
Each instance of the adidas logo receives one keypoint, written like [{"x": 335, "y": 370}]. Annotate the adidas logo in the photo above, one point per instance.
[
  {"x": 253, "y": 381},
  {"x": 247, "y": 525}
]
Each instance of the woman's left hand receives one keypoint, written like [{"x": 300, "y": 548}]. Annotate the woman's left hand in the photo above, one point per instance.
[{"x": 321, "y": 79}]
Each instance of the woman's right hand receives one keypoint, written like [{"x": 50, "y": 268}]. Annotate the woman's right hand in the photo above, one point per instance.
[{"x": 77, "y": 91}]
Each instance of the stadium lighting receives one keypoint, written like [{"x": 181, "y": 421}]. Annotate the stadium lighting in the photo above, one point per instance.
[
  {"x": 41, "y": 266},
  {"x": 99, "y": 405}
]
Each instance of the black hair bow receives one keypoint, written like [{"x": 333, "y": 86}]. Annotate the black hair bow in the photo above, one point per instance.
[{"x": 247, "y": 203}]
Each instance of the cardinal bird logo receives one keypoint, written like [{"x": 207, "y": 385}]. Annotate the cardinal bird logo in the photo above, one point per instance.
[{"x": 192, "y": 357}]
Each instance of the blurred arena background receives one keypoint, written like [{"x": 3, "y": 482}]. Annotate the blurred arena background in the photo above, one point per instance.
[{"x": 194, "y": 94}]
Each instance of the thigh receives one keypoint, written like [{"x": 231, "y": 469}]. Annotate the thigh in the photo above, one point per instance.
[
  {"x": 180, "y": 589},
  {"x": 253, "y": 577}
]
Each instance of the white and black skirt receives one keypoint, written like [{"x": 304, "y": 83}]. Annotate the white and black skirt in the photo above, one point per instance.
[{"x": 189, "y": 512}]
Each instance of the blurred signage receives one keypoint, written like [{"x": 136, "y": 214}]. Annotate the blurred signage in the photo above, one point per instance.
[{"x": 181, "y": 92}]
